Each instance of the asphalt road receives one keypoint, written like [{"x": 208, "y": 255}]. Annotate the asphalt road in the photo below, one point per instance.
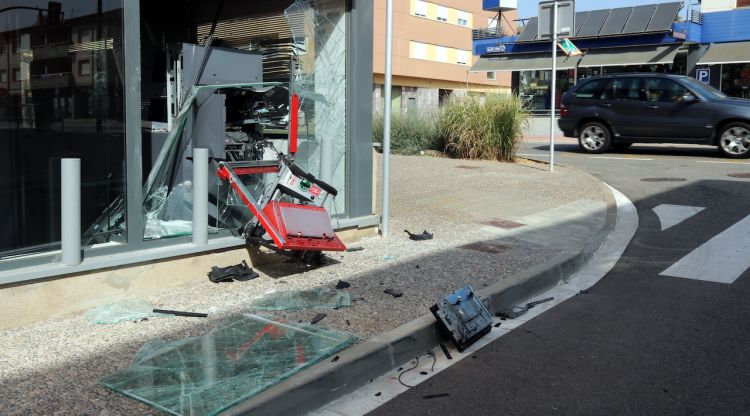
[{"x": 641, "y": 341}]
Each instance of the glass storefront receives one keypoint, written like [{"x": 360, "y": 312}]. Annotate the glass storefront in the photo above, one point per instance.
[
  {"x": 534, "y": 87},
  {"x": 735, "y": 80},
  {"x": 61, "y": 95}
]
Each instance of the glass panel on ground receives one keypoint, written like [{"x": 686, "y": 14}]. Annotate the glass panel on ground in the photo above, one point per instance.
[
  {"x": 208, "y": 374},
  {"x": 61, "y": 96}
]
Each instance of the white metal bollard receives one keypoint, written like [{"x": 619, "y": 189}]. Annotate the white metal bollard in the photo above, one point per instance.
[
  {"x": 70, "y": 211},
  {"x": 200, "y": 196}
]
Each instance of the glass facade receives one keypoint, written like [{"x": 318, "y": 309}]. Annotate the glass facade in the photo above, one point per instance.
[
  {"x": 534, "y": 87},
  {"x": 62, "y": 95},
  {"x": 735, "y": 80}
]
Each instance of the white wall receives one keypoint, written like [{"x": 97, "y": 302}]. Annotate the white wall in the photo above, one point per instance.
[{"x": 717, "y": 5}]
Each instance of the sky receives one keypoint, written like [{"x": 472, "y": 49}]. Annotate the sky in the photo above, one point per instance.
[{"x": 529, "y": 8}]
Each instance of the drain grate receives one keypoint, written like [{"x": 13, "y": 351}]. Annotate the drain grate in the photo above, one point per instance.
[
  {"x": 663, "y": 180},
  {"x": 466, "y": 167},
  {"x": 485, "y": 247},
  {"x": 742, "y": 175},
  {"x": 507, "y": 224}
]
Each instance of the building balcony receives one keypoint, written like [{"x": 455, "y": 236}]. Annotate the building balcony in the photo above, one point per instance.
[
  {"x": 487, "y": 33},
  {"x": 50, "y": 51}
]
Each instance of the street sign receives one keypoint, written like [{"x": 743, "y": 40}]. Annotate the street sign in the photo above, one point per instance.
[
  {"x": 566, "y": 18},
  {"x": 568, "y": 47},
  {"x": 703, "y": 75}
]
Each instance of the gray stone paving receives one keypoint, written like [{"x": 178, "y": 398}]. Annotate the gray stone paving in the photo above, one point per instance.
[{"x": 52, "y": 367}]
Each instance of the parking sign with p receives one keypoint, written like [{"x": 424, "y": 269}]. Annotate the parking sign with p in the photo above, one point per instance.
[{"x": 703, "y": 75}]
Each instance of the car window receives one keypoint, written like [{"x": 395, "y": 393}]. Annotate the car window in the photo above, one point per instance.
[
  {"x": 706, "y": 90},
  {"x": 622, "y": 89},
  {"x": 591, "y": 89},
  {"x": 664, "y": 90}
]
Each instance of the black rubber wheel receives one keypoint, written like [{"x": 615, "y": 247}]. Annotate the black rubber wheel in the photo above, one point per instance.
[
  {"x": 734, "y": 140},
  {"x": 594, "y": 137}
]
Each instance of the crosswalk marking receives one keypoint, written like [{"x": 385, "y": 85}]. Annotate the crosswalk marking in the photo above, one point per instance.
[
  {"x": 671, "y": 215},
  {"x": 722, "y": 259}
]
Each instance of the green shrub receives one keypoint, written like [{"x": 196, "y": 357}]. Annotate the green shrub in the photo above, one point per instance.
[
  {"x": 489, "y": 127},
  {"x": 410, "y": 133}
]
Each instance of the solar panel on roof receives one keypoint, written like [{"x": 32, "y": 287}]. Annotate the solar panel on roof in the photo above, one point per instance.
[
  {"x": 664, "y": 17},
  {"x": 639, "y": 19},
  {"x": 529, "y": 31},
  {"x": 580, "y": 18},
  {"x": 594, "y": 23},
  {"x": 616, "y": 21}
]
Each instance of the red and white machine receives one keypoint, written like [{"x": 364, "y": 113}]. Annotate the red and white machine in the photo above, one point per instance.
[{"x": 290, "y": 214}]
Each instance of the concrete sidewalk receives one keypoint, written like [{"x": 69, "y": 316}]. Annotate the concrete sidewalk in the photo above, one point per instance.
[{"x": 496, "y": 226}]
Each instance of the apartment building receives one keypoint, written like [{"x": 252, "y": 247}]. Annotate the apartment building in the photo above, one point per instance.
[
  {"x": 708, "y": 6},
  {"x": 432, "y": 52}
]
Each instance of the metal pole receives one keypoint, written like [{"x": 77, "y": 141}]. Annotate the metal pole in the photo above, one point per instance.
[
  {"x": 200, "y": 196},
  {"x": 553, "y": 91},
  {"x": 70, "y": 211},
  {"x": 387, "y": 117}
]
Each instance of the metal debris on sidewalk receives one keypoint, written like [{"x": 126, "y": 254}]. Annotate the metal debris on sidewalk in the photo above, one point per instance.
[
  {"x": 435, "y": 396},
  {"x": 463, "y": 317},
  {"x": 208, "y": 374},
  {"x": 419, "y": 237},
  {"x": 320, "y": 298},
  {"x": 393, "y": 292},
  {"x": 241, "y": 272},
  {"x": 353, "y": 249},
  {"x": 517, "y": 311},
  {"x": 181, "y": 313}
]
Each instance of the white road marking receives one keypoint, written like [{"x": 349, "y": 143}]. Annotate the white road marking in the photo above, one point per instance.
[
  {"x": 671, "y": 215},
  {"x": 533, "y": 154},
  {"x": 620, "y": 158},
  {"x": 722, "y": 259},
  {"x": 724, "y": 162}
]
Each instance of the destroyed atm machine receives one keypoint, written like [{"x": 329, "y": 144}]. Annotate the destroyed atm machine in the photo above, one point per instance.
[{"x": 288, "y": 215}]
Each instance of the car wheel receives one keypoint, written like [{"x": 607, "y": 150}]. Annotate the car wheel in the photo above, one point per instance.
[
  {"x": 734, "y": 140},
  {"x": 594, "y": 138}
]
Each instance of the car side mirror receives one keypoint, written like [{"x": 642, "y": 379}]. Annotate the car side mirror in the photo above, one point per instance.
[{"x": 689, "y": 98}]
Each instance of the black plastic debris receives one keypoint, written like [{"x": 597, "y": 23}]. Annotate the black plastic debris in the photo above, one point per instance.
[
  {"x": 446, "y": 352},
  {"x": 348, "y": 323},
  {"x": 424, "y": 373},
  {"x": 497, "y": 325},
  {"x": 343, "y": 285},
  {"x": 435, "y": 396},
  {"x": 378, "y": 394},
  {"x": 319, "y": 317},
  {"x": 181, "y": 313},
  {"x": 336, "y": 358},
  {"x": 241, "y": 272},
  {"x": 393, "y": 292},
  {"x": 419, "y": 237}
]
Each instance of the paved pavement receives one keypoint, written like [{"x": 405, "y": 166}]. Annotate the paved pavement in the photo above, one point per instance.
[
  {"x": 536, "y": 216},
  {"x": 665, "y": 332}
]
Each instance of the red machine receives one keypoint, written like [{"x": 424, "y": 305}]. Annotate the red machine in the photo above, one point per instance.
[{"x": 290, "y": 213}]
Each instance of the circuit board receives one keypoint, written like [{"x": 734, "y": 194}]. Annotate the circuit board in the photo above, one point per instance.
[{"x": 463, "y": 316}]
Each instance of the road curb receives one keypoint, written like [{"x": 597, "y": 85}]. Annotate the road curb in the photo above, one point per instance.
[{"x": 355, "y": 366}]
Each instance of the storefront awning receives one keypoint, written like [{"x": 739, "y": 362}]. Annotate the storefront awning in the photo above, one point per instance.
[
  {"x": 523, "y": 62},
  {"x": 726, "y": 53},
  {"x": 640, "y": 55}
]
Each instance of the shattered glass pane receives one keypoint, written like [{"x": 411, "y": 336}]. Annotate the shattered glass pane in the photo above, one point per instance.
[
  {"x": 320, "y": 298},
  {"x": 169, "y": 213},
  {"x": 208, "y": 374},
  {"x": 126, "y": 310},
  {"x": 319, "y": 78}
]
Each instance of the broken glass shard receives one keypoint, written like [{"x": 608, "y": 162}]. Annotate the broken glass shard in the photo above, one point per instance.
[
  {"x": 208, "y": 374},
  {"x": 126, "y": 310},
  {"x": 320, "y": 298}
]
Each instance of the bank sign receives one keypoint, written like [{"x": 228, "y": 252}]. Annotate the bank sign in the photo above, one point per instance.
[{"x": 496, "y": 49}]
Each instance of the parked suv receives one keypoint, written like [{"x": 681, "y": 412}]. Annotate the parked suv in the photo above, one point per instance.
[{"x": 619, "y": 110}]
